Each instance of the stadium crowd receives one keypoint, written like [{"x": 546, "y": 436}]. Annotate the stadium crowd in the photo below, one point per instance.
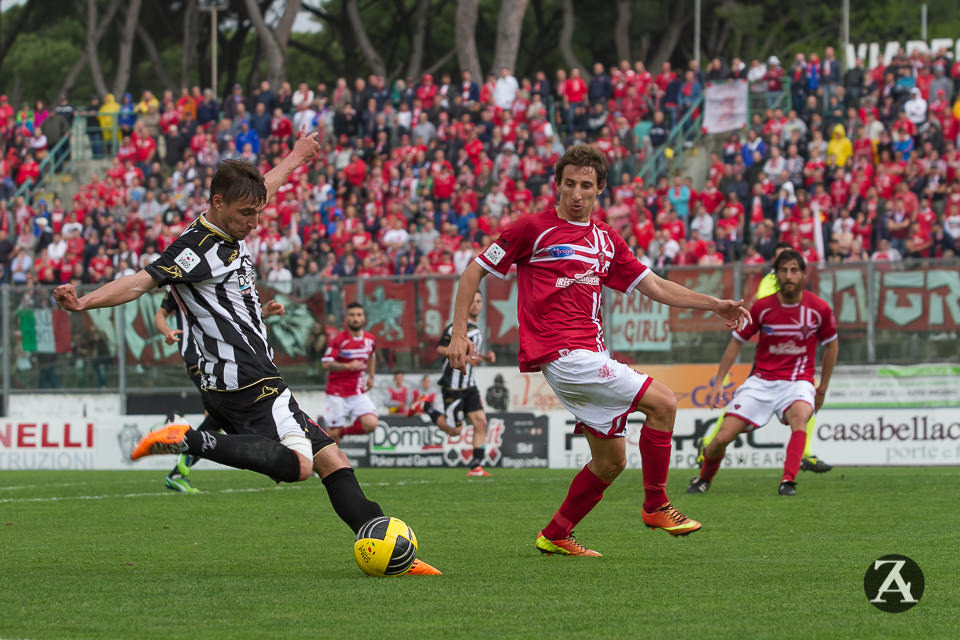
[{"x": 415, "y": 178}]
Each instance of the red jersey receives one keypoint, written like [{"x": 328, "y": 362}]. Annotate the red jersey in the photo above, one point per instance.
[
  {"x": 562, "y": 267},
  {"x": 345, "y": 348},
  {"x": 789, "y": 336}
]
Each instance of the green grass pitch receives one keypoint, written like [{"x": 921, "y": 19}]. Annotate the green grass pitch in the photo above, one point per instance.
[{"x": 114, "y": 555}]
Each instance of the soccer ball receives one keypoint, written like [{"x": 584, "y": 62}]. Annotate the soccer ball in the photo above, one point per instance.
[{"x": 385, "y": 547}]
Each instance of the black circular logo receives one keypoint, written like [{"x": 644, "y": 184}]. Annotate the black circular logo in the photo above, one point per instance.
[{"x": 893, "y": 583}]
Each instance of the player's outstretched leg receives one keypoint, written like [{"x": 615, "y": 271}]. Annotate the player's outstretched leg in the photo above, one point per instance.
[
  {"x": 252, "y": 452},
  {"x": 811, "y": 462},
  {"x": 797, "y": 415},
  {"x": 436, "y": 417}
]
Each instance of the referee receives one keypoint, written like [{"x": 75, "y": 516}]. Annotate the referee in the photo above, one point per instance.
[{"x": 459, "y": 389}]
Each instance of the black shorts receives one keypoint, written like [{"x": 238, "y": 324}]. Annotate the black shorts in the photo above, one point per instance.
[
  {"x": 265, "y": 409},
  {"x": 459, "y": 402}
]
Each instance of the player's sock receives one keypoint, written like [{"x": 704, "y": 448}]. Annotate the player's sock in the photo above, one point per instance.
[
  {"x": 246, "y": 451},
  {"x": 655, "y": 459},
  {"x": 477, "y": 460},
  {"x": 356, "y": 429},
  {"x": 808, "y": 446},
  {"x": 585, "y": 492},
  {"x": 710, "y": 468},
  {"x": 348, "y": 499},
  {"x": 188, "y": 460},
  {"x": 794, "y": 454}
]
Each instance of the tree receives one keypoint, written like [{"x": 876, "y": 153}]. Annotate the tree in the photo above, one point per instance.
[
  {"x": 509, "y": 28},
  {"x": 127, "y": 35},
  {"x": 621, "y": 32},
  {"x": 94, "y": 31},
  {"x": 16, "y": 29},
  {"x": 419, "y": 35},
  {"x": 274, "y": 42},
  {"x": 374, "y": 61},
  {"x": 92, "y": 59},
  {"x": 191, "y": 28},
  {"x": 466, "y": 36},
  {"x": 566, "y": 39}
]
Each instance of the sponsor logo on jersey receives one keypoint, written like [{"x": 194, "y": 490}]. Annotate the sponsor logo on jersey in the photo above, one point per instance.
[
  {"x": 187, "y": 259},
  {"x": 788, "y": 348},
  {"x": 494, "y": 254},
  {"x": 231, "y": 258},
  {"x": 580, "y": 278},
  {"x": 245, "y": 279},
  {"x": 606, "y": 372},
  {"x": 560, "y": 251}
]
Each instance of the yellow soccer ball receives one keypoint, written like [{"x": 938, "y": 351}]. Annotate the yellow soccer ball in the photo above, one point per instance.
[{"x": 385, "y": 547}]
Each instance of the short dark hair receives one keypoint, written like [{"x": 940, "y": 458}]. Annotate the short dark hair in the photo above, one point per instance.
[
  {"x": 583, "y": 155},
  {"x": 356, "y": 305},
  {"x": 782, "y": 245},
  {"x": 788, "y": 255},
  {"x": 239, "y": 180}
]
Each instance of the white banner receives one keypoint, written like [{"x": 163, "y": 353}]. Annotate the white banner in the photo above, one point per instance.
[{"x": 725, "y": 106}]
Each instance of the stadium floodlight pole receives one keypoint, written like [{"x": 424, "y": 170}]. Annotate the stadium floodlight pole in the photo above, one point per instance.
[
  {"x": 213, "y": 6},
  {"x": 923, "y": 22},
  {"x": 696, "y": 30},
  {"x": 846, "y": 34}
]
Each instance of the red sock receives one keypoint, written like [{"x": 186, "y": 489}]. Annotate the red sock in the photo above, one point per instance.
[
  {"x": 798, "y": 440},
  {"x": 584, "y": 494},
  {"x": 710, "y": 468},
  {"x": 655, "y": 458},
  {"x": 356, "y": 429}
]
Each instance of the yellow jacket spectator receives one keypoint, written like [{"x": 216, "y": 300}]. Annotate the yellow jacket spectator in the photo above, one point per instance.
[
  {"x": 839, "y": 146},
  {"x": 107, "y": 115},
  {"x": 148, "y": 100}
]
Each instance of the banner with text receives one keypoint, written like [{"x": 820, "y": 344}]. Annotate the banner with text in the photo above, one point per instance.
[{"x": 725, "y": 106}]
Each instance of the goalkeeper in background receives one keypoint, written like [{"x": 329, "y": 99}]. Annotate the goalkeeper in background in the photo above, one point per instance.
[{"x": 809, "y": 462}]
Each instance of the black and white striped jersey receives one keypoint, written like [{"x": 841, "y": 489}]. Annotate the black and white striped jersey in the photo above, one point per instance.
[
  {"x": 212, "y": 277},
  {"x": 452, "y": 378},
  {"x": 188, "y": 348}
]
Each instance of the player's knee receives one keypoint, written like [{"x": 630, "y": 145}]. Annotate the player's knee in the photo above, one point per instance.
[
  {"x": 368, "y": 423},
  {"x": 608, "y": 469}
]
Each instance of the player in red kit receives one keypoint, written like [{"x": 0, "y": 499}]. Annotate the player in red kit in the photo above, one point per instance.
[
  {"x": 790, "y": 326},
  {"x": 564, "y": 259},
  {"x": 351, "y": 361}
]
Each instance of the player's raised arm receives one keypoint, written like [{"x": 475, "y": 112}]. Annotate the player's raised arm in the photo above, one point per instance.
[
  {"x": 304, "y": 151},
  {"x": 460, "y": 346},
  {"x": 120, "y": 291},
  {"x": 676, "y": 295}
]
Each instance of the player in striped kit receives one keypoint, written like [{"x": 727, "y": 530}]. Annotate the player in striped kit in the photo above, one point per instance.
[
  {"x": 212, "y": 275},
  {"x": 461, "y": 397},
  {"x": 791, "y": 325}
]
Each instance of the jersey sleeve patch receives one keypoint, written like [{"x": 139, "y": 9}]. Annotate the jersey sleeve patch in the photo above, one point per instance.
[
  {"x": 188, "y": 260},
  {"x": 494, "y": 254}
]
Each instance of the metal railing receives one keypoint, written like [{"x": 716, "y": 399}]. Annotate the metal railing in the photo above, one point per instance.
[
  {"x": 886, "y": 313},
  {"x": 685, "y": 135},
  {"x": 59, "y": 159}
]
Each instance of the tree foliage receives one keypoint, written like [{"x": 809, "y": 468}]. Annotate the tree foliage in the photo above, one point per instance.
[{"x": 51, "y": 37}]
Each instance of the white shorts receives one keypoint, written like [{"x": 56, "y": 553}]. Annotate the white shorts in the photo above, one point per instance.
[
  {"x": 340, "y": 412},
  {"x": 757, "y": 399},
  {"x": 597, "y": 389}
]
